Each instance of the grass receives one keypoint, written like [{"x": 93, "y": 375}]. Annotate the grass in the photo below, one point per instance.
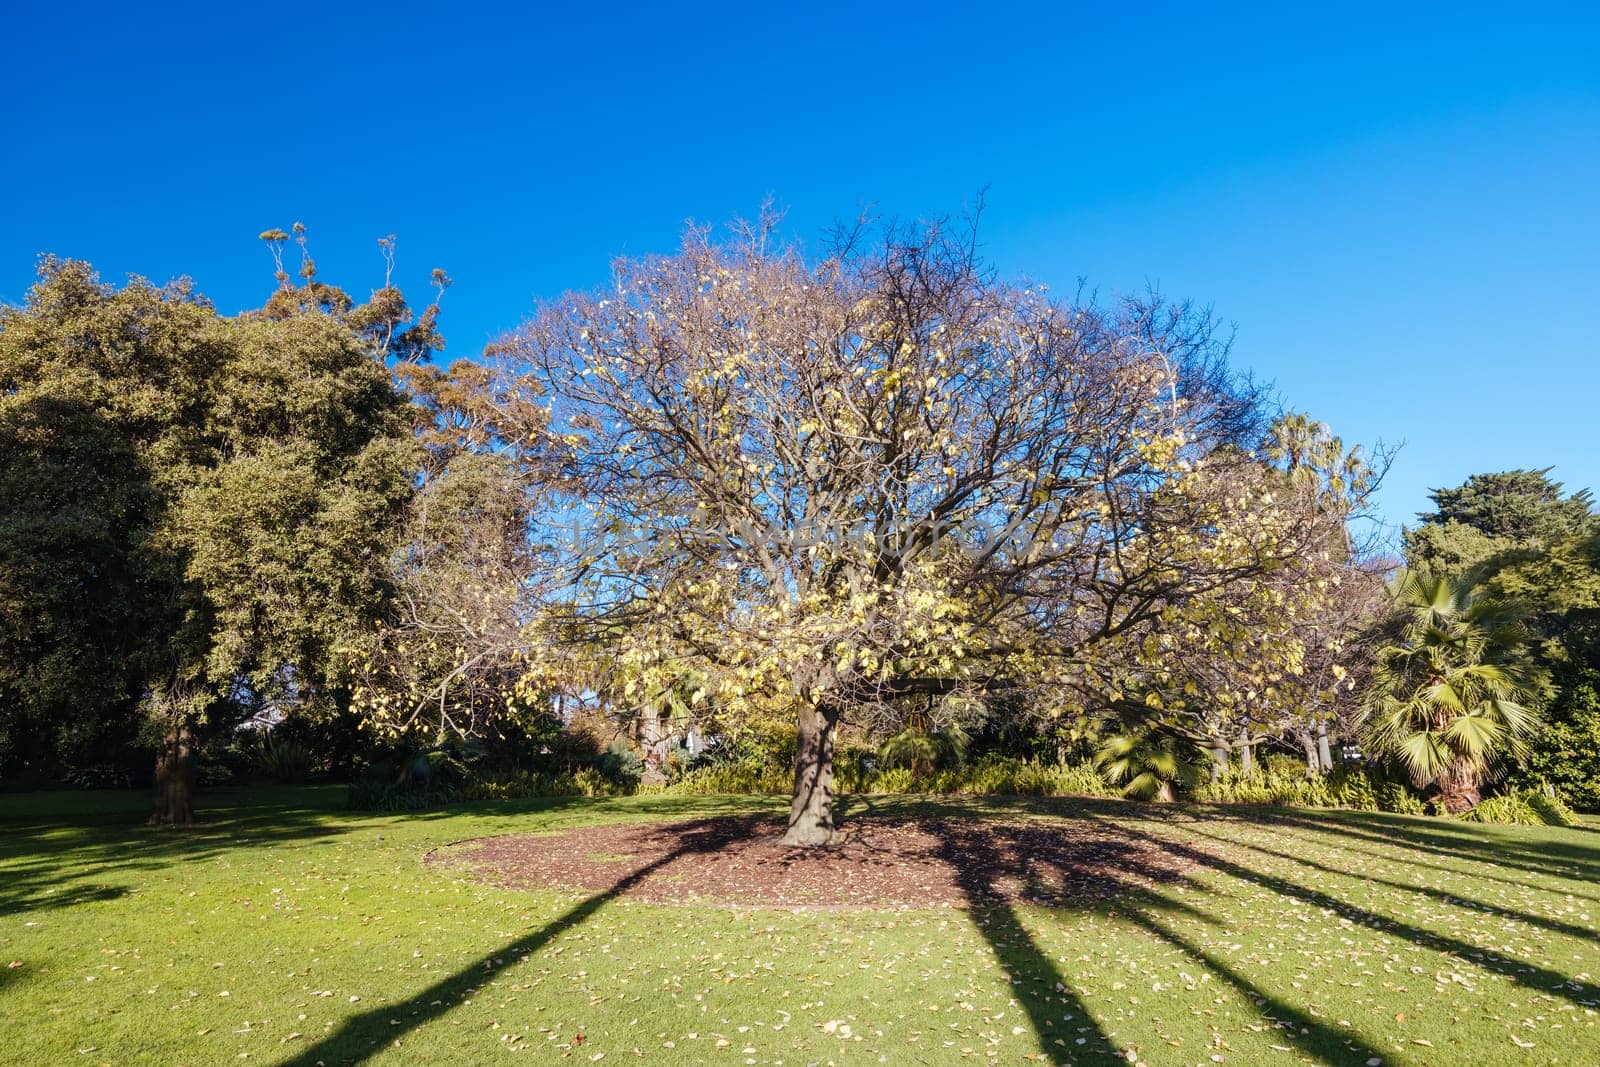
[{"x": 288, "y": 931}]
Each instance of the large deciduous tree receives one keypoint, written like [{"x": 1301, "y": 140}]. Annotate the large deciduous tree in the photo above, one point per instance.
[{"x": 878, "y": 475}]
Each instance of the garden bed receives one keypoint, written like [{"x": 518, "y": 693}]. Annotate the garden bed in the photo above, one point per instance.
[{"x": 881, "y": 863}]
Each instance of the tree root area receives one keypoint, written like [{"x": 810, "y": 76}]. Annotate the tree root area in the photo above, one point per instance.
[{"x": 882, "y": 862}]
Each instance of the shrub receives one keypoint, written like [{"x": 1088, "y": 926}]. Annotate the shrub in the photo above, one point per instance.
[
  {"x": 893, "y": 780},
  {"x": 993, "y": 775},
  {"x": 281, "y": 759},
  {"x": 620, "y": 764},
  {"x": 745, "y": 776},
  {"x": 1078, "y": 780},
  {"x": 1507, "y": 808},
  {"x": 1282, "y": 765},
  {"x": 923, "y": 751},
  {"x": 1522, "y": 807},
  {"x": 1567, "y": 754},
  {"x": 1233, "y": 787},
  {"x": 1149, "y": 764},
  {"x": 100, "y": 776},
  {"x": 1350, "y": 786},
  {"x": 1396, "y": 797},
  {"x": 852, "y": 771},
  {"x": 1551, "y": 808},
  {"x": 377, "y": 795},
  {"x": 1298, "y": 791}
]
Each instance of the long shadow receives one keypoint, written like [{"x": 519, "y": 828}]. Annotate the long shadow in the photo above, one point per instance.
[
  {"x": 989, "y": 863},
  {"x": 362, "y": 1036},
  {"x": 1523, "y": 973},
  {"x": 75, "y": 854},
  {"x": 1580, "y": 863},
  {"x": 1555, "y": 926},
  {"x": 1328, "y": 1042},
  {"x": 1455, "y": 872},
  {"x": 985, "y": 858},
  {"x": 45, "y": 865},
  {"x": 12, "y": 903}
]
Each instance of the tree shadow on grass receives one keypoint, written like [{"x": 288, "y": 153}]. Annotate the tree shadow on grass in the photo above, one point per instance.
[
  {"x": 991, "y": 863},
  {"x": 1550, "y": 859},
  {"x": 987, "y": 861},
  {"x": 1523, "y": 973},
  {"x": 975, "y": 854},
  {"x": 1327, "y": 1042},
  {"x": 1555, "y": 926},
  {"x": 83, "y": 858},
  {"x": 61, "y": 850},
  {"x": 991, "y": 859},
  {"x": 364, "y": 1035}
]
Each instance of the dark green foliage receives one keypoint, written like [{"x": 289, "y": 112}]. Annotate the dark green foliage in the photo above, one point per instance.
[
  {"x": 924, "y": 751},
  {"x": 1149, "y": 764},
  {"x": 1518, "y": 506},
  {"x": 283, "y": 760},
  {"x": 1516, "y": 534},
  {"x": 196, "y": 510},
  {"x": 1451, "y": 689},
  {"x": 621, "y": 764},
  {"x": 1283, "y": 765},
  {"x": 734, "y": 776},
  {"x": 1566, "y": 755},
  {"x": 568, "y": 762}
]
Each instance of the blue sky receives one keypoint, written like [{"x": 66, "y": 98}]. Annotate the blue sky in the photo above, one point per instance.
[{"x": 1399, "y": 211}]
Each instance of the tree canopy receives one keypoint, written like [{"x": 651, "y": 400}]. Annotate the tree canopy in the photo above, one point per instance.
[{"x": 874, "y": 496}]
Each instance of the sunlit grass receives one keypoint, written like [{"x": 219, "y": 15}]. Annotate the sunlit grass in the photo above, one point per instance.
[{"x": 289, "y": 931}]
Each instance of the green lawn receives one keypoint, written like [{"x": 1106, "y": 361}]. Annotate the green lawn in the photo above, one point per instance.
[{"x": 288, "y": 931}]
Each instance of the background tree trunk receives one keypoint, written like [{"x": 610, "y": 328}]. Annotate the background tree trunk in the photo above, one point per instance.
[
  {"x": 1324, "y": 752},
  {"x": 1247, "y": 755},
  {"x": 1219, "y": 761},
  {"x": 175, "y": 773},
  {"x": 1313, "y": 759},
  {"x": 811, "y": 813}
]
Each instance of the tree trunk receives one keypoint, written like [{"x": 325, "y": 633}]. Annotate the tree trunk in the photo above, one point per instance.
[
  {"x": 652, "y": 745},
  {"x": 1313, "y": 760},
  {"x": 1324, "y": 753},
  {"x": 175, "y": 773},
  {"x": 1219, "y": 761},
  {"x": 1247, "y": 756},
  {"x": 811, "y": 813},
  {"x": 1458, "y": 791}
]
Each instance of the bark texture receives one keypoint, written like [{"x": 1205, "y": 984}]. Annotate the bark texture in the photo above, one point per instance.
[
  {"x": 1313, "y": 761},
  {"x": 175, "y": 775},
  {"x": 652, "y": 745},
  {"x": 811, "y": 813}
]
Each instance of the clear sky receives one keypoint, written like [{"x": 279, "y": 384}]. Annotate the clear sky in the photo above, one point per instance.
[{"x": 1399, "y": 211}]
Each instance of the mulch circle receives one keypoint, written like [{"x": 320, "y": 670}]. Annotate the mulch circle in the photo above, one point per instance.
[{"x": 884, "y": 862}]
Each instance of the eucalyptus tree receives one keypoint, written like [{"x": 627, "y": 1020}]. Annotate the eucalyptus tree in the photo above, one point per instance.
[{"x": 880, "y": 474}]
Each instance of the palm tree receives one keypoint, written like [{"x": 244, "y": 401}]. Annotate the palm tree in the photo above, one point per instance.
[
  {"x": 1447, "y": 690},
  {"x": 1149, "y": 764}
]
